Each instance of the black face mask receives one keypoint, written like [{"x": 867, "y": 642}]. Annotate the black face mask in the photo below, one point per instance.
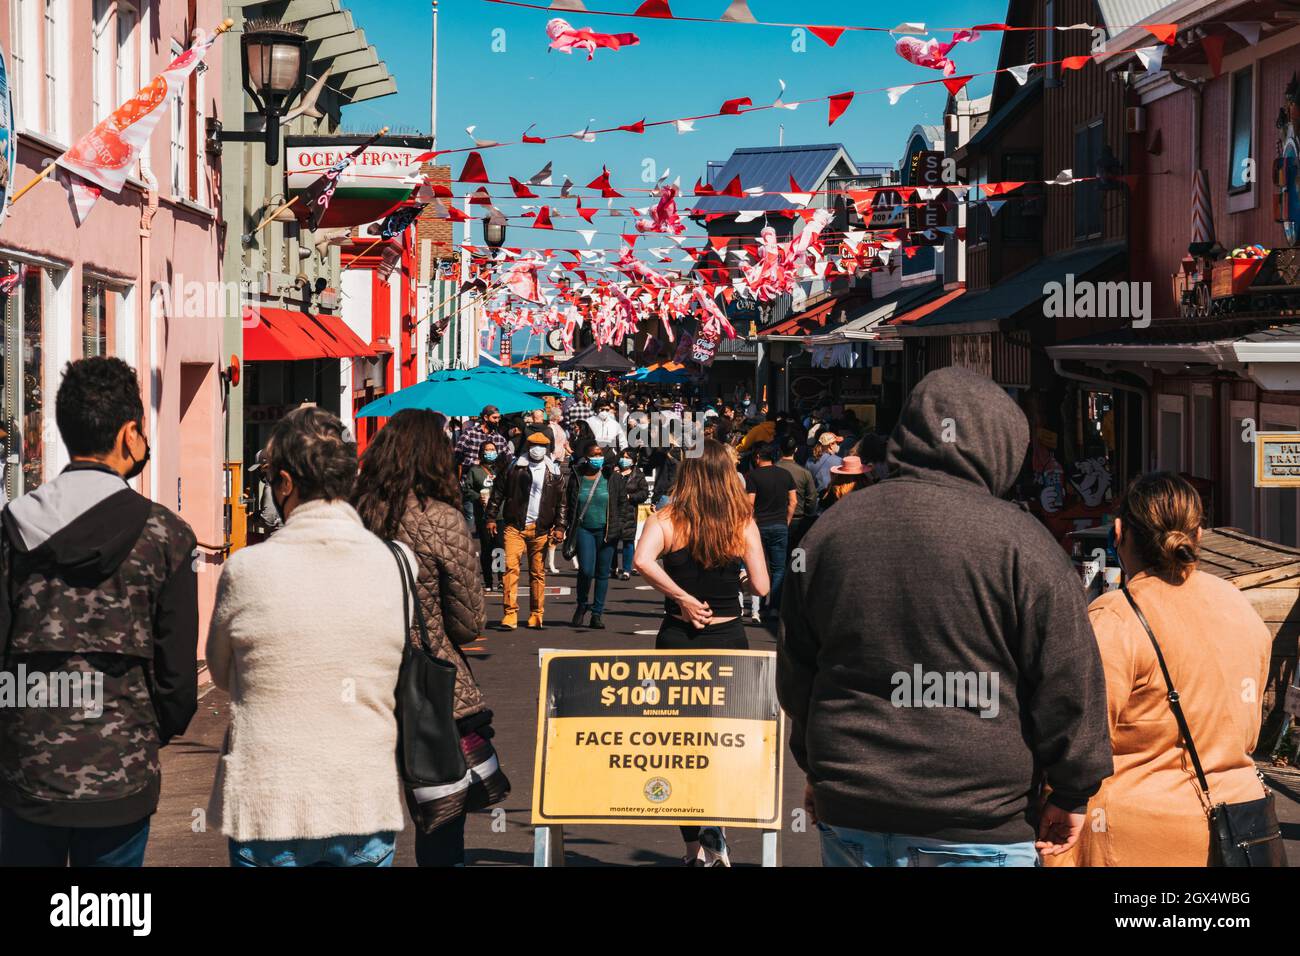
[{"x": 137, "y": 465}]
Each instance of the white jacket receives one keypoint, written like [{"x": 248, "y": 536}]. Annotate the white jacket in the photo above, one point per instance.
[
  {"x": 307, "y": 637},
  {"x": 610, "y": 433}
]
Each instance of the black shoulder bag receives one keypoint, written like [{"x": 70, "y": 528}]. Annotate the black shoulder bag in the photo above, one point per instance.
[
  {"x": 1241, "y": 834},
  {"x": 429, "y": 753}
]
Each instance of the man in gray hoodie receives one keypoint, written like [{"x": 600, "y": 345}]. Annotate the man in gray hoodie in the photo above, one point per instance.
[{"x": 935, "y": 655}]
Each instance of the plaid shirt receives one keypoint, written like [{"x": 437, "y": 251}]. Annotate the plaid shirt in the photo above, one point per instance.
[
  {"x": 472, "y": 440},
  {"x": 579, "y": 411}
]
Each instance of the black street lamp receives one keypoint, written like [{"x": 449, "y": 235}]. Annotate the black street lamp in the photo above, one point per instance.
[
  {"x": 494, "y": 230},
  {"x": 274, "y": 73}
]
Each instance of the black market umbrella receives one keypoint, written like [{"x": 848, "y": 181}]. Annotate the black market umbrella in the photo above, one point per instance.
[{"x": 598, "y": 358}]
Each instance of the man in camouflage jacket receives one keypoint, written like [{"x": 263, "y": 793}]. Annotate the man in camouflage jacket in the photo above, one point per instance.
[{"x": 100, "y": 591}]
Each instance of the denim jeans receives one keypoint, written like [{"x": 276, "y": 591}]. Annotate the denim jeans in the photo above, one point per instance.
[
  {"x": 842, "y": 846},
  {"x": 595, "y": 557},
  {"x": 373, "y": 849},
  {"x": 624, "y": 551},
  {"x": 23, "y": 843},
  {"x": 776, "y": 545}
]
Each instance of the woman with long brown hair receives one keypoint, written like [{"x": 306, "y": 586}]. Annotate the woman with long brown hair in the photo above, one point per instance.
[
  {"x": 1152, "y": 812},
  {"x": 406, "y": 491},
  {"x": 705, "y": 537}
]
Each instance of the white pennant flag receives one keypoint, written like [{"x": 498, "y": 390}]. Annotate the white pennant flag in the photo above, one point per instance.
[
  {"x": 480, "y": 143},
  {"x": 684, "y": 126},
  {"x": 1152, "y": 57},
  {"x": 748, "y": 215},
  {"x": 797, "y": 199},
  {"x": 587, "y": 234},
  {"x": 894, "y": 92},
  {"x": 1249, "y": 31},
  {"x": 1064, "y": 178},
  {"x": 995, "y": 206},
  {"x": 542, "y": 177},
  {"x": 917, "y": 28},
  {"x": 1021, "y": 73},
  {"x": 780, "y": 99},
  {"x": 928, "y": 193}
]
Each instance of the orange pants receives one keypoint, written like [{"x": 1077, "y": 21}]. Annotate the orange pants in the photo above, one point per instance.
[{"x": 516, "y": 543}]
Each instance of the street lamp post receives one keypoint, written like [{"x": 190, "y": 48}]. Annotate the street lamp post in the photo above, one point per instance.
[
  {"x": 494, "y": 231},
  {"x": 274, "y": 73}
]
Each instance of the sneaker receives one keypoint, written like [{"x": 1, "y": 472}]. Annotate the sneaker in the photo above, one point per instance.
[
  {"x": 713, "y": 847},
  {"x": 578, "y": 615},
  {"x": 756, "y": 619},
  {"x": 624, "y": 576},
  {"x": 597, "y": 624}
]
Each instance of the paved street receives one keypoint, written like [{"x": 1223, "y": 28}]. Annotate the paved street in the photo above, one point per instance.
[{"x": 506, "y": 666}]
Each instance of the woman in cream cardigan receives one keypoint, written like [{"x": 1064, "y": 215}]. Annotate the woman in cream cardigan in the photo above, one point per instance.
[
  {"x": 307, "y": 637},
  {"x": 1151, "y": 812}
]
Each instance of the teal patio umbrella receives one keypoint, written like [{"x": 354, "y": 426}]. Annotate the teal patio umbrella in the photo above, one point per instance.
[
  {"x": 513, "y": 378},
  {"x": 455, "y": 393}
]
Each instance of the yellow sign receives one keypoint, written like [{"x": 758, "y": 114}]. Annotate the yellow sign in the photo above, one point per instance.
[
  {"x": 659, "y": 737},
  {"x": 1277, "y": 459}
]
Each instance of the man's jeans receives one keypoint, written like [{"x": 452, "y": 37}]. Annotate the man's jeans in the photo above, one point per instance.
[
  {"x": 776, "y": 546},
  {"x": 23, "y": 843},
  {"x": 374, "y": 849},
  {"x": 842, "y": 846}
]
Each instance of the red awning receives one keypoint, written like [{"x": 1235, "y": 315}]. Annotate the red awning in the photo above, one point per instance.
[
  {"x": 804, "y": 321},
  {"x": 922, "y": 311},
  {"x": 283, "y": 335}
]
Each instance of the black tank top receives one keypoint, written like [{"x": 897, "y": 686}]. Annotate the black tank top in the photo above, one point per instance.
[{"x": 716, "y": 587}]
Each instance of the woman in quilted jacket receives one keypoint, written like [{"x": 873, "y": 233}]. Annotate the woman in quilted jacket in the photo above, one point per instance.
[{"x": 407, "y": 491}]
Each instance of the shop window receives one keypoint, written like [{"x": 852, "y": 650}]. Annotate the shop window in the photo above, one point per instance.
[
  {"x": 1089, "y": 144},
  {"x": 97, "y": 315},
  {"x": 1241, "y": 133},
  {"x": 1053, "y": 77},
  {"x": 1169, "y": 433},
  {"x": 22, "y": 298}
]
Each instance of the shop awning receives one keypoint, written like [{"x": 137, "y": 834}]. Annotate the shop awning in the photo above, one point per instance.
[
  {"x": 986, "y": 310},
  {"x": 284, "y": 335},
  {"x": 866, "y": 326}
]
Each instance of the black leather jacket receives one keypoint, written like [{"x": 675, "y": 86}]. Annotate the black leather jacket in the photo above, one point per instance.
[{"x": 509, "y": 501}]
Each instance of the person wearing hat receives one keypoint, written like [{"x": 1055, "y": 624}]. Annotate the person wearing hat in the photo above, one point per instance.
[
  {"x": 825, "y": 456},
  {"x": 472, "y": 437},
  {"x": 846, "y": 477},
  {"x": 528, "y": 504}
]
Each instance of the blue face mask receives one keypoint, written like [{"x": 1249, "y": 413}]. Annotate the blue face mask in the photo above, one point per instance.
[
  {"x": 596, "y": 462},
  {"x": 625, "y": 463},
  {"x": 489, "y": 456}
]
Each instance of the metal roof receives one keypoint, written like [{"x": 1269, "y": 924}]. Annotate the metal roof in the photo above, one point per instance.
[
  {"x": 1118, "y": 15},
  {"x": 771, "y": 168},
  {"x": 989, "y": 307}
]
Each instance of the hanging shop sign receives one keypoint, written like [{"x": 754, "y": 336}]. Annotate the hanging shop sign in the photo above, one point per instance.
[
  {"x": 8, "y": 138},
  {"x": 367, "y": 190},
  {"x": 1277, "y": 459},
  {"x": 658, "y": 737}
]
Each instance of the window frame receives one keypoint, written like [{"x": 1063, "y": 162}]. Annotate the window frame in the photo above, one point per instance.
[{"x": 1088, "y": 195}]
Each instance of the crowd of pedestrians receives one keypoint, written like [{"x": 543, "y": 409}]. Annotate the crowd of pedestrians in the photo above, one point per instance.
[{"x": 869, "y": 556}]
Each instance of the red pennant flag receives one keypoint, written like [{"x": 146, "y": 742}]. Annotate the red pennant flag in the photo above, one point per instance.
[
  {"x": 719, "y": 242},
  {"x": 703, "y": 190},
  {"x": 732, "y": 107},
  {"x": 455, "y": 215},
  {"x": 989, "y": 26},
  {"x": 1213, "y": 47},
  {"x": 839, "y": 103},
  {"x": 806, "y": 214},
  {"x": 586, "y": 213},
  {"x": 601, "y": 182},
  {"x": 999, "y": 189},
  {"x": 630, "y": 239},
  {"x": 955, "y": 83},
  {"x": 654, "y": 8},
  {"x": 794, "y": 186},
  {"x": 1164, "y": 32},
  {"x": 440, "y": 190},
  {"x": 533, "y": 139},
  {"x": 1074, "y": 62},
  {"x": 733, "y": 189},
  {"x": 543, "y": 220},
  {"x": 637, "y": 127},
  {"x": 474, "y": 171},
  {"x": 828, "y": 35},
  {"x": 481, "y": 197},
  {"x": 521, "y": 191}
]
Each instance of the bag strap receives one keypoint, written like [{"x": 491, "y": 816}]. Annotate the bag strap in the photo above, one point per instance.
[
  {"x": 1175, "y": 703},
  {"x": 577, "y": 522},
  {"x": 410, "y": 599}
]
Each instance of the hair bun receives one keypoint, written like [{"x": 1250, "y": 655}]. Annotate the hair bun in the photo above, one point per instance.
[{"x": 1178, "y": 550}]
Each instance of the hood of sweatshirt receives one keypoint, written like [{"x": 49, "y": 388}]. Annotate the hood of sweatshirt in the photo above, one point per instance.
[
  {"x": 960, "y": 426},
  {"x": 86, "y": 520}
]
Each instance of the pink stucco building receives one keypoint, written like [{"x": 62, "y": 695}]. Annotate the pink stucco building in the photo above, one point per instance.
[{"x": 141, "y": 277}]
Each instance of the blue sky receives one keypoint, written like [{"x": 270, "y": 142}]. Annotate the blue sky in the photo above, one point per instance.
[{"x": 678, "y": 69}]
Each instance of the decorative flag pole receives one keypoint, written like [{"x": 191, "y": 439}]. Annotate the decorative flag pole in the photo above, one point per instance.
[{"x": 53, "y": 164}]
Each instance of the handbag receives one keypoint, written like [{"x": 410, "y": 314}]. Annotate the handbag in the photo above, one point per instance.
[
  {"x": 1241, "y": 834},
  {"x": 429, "y": 752},
  {"x": 570, "y": 547}
]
